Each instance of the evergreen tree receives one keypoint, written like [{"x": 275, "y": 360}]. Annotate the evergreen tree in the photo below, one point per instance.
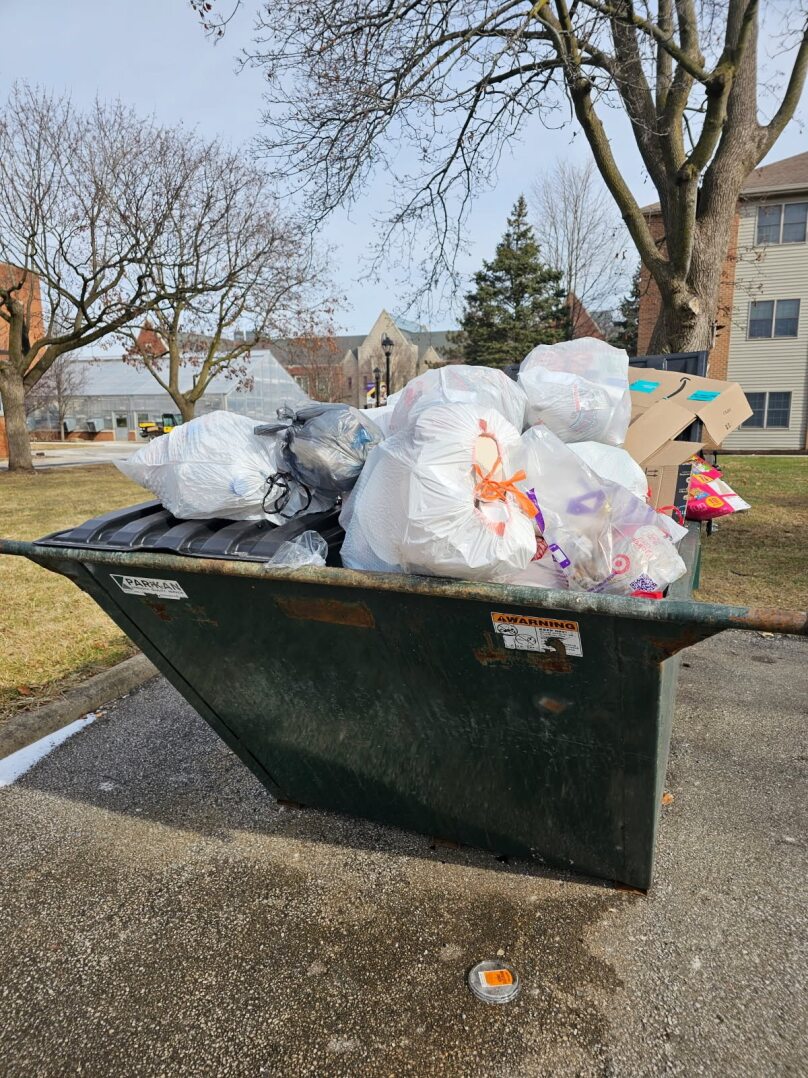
[
  {"x": 627, "y": 325},
  {"x": 516, "y": 303}
]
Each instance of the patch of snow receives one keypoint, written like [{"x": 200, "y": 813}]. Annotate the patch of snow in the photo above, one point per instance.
[{"x": 24, "y": 759}]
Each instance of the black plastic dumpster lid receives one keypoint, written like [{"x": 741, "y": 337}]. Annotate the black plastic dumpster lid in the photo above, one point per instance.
[{"x": 150, "y": 526}]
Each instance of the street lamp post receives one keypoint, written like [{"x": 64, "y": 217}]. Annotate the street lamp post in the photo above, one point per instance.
[
  {"x": 387, "y": 348},
  {"x": 377, "y": 374}
]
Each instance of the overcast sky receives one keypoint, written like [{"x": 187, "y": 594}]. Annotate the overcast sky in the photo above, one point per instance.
[{"x": 152, "y": 54}]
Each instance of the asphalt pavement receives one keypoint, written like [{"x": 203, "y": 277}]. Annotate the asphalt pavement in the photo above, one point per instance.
[{"x": 160, "y": 914}]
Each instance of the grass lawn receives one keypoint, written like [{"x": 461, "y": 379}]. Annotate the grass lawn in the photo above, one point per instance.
[
  {"x": 51, "y": 634},
  {"x": 759, "y": 558}
]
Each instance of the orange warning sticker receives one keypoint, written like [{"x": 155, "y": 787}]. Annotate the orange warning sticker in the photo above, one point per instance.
[{"x": 495, "y": 978}]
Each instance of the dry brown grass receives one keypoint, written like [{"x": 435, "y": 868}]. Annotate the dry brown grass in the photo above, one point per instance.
[
  {"x": 759, "y": 557},
  {"x": 51, "y": 634}
]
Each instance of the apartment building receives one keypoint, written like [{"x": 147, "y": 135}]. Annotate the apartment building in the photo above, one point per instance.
[{"x": 761, "y": 336}]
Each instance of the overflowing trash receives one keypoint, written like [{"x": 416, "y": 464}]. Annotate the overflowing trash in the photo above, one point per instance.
[
  {"x": 611, "y": 462},
  {"x": 709, "y": 496},
  {"x": 481, "y": 387},
  {"x": 323, "y": 446},
  {"x": 440, "y": 498},
  {"x": 579, "y": 390},
  {"x": 601, "y": 536},
  {"x": 467, "y": 473},
  {"x": 216, "y": 466}
]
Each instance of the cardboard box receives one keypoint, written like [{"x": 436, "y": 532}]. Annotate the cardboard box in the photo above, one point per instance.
[{"x": 665, "y": 403}]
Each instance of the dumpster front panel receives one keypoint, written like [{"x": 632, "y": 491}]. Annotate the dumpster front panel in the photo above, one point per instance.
[{"x": 411, "y": 710}]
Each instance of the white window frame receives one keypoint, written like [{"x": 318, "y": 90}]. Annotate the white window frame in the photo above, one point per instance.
[
  {"x": 774, "y": 302},
  {"x": 766, "y": 393},
  {"x": 781, "y": 206}
]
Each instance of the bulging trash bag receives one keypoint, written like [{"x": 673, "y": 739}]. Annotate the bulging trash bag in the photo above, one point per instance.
[
  {"x": 215, "y": 466},
  {"x": 481, "y": 387},
  {"x": 611, "y": 462},
  {"x": 324, "y": 446},
  {"x": 601, "y": 536},
  {"x": 309, "y": 548},
  {"x": 579, "y": 389},
  {"x": 380, "y": 417},
  {"x": 440, "y": 498}
]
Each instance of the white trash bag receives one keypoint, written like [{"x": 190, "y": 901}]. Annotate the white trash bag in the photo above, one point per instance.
[
  {"x": 380, "y": 417},
  {"x": 611, "y": 462},
  {"x": 215, "y": 466},
  {"x": 440, "y": 499},
  {"x": 601, "y": 536},
  {"x": 480, "y": 387},
  {"x": 579, "y": 389}
]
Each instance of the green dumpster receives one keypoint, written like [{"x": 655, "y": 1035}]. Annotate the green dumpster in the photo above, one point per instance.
[{"x": 528, "y": 722}]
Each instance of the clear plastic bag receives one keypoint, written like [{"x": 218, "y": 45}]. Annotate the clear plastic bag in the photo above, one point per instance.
[
  {"x": 324, "y": 446},
  {"x": 579, "y": 389},
  {"x": 215, "y": 466},
  {"x": 615, "y": 464},
  {"x": 480, "y": 387},
  {"x": 601, "y": 536},
  {"x": 440, "y": 499},
  {"x": 309, "y": 548}
]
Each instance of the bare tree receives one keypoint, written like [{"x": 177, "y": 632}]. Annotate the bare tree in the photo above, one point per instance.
[
  {"x": 316, "y": 363},
  {"x": 227, "y": 258},
  {"x": 352, "y": 82},
  {"x": 581, "y": 236},
  {"x": 83, "y": 203},
  {"x": 64, "y": 380}
]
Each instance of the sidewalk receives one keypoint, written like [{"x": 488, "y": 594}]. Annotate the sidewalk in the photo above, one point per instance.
[{"x": 60, "y": 455}]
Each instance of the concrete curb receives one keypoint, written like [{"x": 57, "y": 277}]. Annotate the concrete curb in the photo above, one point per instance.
[{"x": 103, "y": 688}]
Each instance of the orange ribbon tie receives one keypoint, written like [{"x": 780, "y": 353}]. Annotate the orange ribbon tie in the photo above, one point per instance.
[{"x": 495, "y": 490}]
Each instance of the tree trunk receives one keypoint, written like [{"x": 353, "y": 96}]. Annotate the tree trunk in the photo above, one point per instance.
[
  {"x": 12, "y": 393},
  {"x": 681, "y": 329},
  {"x": 186, "y": 407},
  {"x": 688, "y": 311}
]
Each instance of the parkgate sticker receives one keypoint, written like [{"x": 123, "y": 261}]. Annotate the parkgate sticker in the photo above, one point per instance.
[
  {"x": 524, "y": 632},
  {"x": 149, "y": 585}
]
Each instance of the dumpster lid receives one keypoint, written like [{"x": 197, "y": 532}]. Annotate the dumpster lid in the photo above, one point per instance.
[{"x": 151, "y": 527}]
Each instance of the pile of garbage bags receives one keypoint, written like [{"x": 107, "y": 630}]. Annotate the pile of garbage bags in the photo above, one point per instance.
[{"x": 464, "y": 473}]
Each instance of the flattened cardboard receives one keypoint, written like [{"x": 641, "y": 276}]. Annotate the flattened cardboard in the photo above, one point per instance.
[{"x": 648, "y": 434}]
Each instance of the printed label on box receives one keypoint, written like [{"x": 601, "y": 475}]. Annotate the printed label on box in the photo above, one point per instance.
[
  {"x": 149, "y": 585},
  {"x": 643, "y": 387},
  {"x": 524, "y": 632},
  {"x": 703, "y": 395}
]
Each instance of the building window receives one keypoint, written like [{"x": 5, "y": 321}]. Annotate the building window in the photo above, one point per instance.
[
  {"x": 770, "y": 318},
  {"x": 783, "y": 223},
  {"x": 770, "y": 410},
  {"x": 786, "y": 318}
]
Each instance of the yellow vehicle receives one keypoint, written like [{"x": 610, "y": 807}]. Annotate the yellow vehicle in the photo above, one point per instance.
[{"x": 154, "y": 428}]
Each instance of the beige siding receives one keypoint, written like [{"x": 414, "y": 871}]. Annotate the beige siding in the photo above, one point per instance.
[{"x": 776, "y": 271}]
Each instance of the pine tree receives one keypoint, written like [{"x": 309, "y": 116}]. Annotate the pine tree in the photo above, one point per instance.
[
  {"x": 516, "y": 303},
  {"x": 627, "y": 325}
]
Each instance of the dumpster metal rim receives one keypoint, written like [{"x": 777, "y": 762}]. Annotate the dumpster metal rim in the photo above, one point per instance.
[{"x": 716, "y": 616}]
